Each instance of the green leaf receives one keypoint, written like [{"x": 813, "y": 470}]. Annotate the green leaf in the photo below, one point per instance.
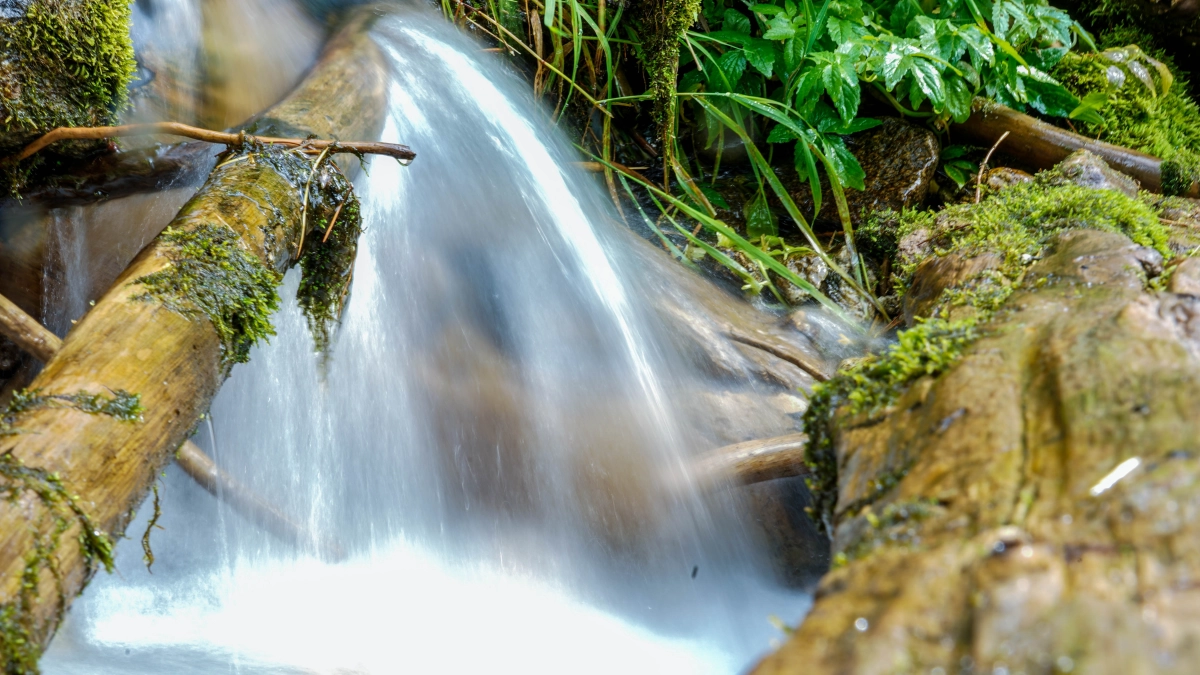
[
  {"x": 954, "y": 151},
  {"x": 780, "y": 28},
  {"x": 806, "y": 167},
  {"x": 759, "y": 219},
  {"x": 736, "y": 22},
  {"x": 849, "y": 171},
  {"x": 956, "y": 174},
  {"x": 781, "y": 134},
  {"x": 732, "y": 64},
  {"x": 1089, "y": 109},
  {"x": 844, "y": 94},
  {"x": 1046, "y": 95},
  {"x": 958, "y": 99},
  {"x": 761, "y": 54},
  {"x": 713, "y": 196},
  {"x": 766, "y": 10}
]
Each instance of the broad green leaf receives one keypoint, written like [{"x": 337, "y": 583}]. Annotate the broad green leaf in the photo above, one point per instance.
[
  {"x": 759, "y": 219},
  {"x": 806, "y": 167},
  {"x": 780, "y": 28},
  {"x": 736, "y": 22},
  {"x": 761, "y": 54},
  {"x": 958, "y": 99},
  {"x": 781, "y": 134},
  {"x": 1046, "y": 95},
  {"x": 766, "y": 10},
  {"x": 849, "y": 171}
]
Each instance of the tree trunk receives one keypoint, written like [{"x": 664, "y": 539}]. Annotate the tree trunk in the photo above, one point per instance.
[{"x": 142, "y": 345}]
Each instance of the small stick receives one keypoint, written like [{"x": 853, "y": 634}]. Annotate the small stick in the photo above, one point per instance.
[
  {"x": 310, "y": 146},
  {"x": 332, "y": 221},
  {"x": 983, "y": 166}
]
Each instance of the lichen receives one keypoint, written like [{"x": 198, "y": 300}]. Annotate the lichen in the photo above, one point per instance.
[
  {"x": 66, "y": 63},
  {"x": 212, "y": 274},
  {"x": 327, "y": 261},
  {"x": 19, "y": 650}
]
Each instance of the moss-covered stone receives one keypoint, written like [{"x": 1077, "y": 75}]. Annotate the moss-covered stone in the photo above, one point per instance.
[{"x": 62, "y": 63}]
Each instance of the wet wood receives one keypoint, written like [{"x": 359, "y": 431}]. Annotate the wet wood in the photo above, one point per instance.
[
  {"x": 754, "y": 461},
  {"x": 33, "y": 337},
  {"x": 26, "y": 332},
  {"x": 1040, "y": 145},
  {"x": 173, "y": 362}
]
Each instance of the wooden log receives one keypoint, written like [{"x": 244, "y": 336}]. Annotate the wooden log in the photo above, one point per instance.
[
  {"x": 159, "y": 354},
  {"x": 1040, "y": 145},
  {"x": 34, "y": 338},
  {"x": 753, "y": 462}
]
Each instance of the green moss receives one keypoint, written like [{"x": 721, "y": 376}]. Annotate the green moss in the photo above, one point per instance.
[
  {"x": 892, "y": 525},
  {"x": 1180, "y": 172},
  {"x": 1135, "y": 115},
  {"x": 67, "y": 63},
  {"x": 121, "y": 405},
  {"x": 328, "y": 263},
  {"x": 1015, "y": 225},
  {"x": 664, "y": 22},
  {"x": 213, "y": 275},
  {"x": 866, "y": 387}
]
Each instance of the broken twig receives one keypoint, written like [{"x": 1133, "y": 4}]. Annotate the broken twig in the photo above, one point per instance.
[{"x": 306, "y": 145}]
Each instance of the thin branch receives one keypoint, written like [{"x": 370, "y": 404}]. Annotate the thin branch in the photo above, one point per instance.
[
  {"x": 983, "y": 166},
  {"x": 306, "y": 145}
]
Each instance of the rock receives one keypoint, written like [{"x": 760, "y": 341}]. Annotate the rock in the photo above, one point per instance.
[
  {"x": 1003, "y": 177},
  {"x": 936, "y": 274},
  {"x": 1186, "y": 278},
  {"x": 1035, "y": 508},
  {"x": 1088, "y": 170},
  {"x": 899, "y": 160}
]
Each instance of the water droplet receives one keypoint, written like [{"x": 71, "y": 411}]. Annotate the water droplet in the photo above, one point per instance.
[{"x": 861, "y": 624}]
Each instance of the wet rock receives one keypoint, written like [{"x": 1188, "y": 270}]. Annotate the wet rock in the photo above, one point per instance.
[
  {"x": 937, "y": 274},
  {"x": 1186, "y": 278},
  {"x": 797, "y": 551},
  {"x": 899, "y": 160},
  {"x": 1088, "y": 170},
  {"x": 1036, "y": 508},
  {"x": 1005, "y": 177}
]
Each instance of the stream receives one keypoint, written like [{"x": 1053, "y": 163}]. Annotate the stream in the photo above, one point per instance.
[{"x": 497, "y": 443}]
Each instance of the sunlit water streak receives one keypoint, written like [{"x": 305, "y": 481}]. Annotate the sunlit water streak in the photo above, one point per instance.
[{"x": 479, "y": 441}]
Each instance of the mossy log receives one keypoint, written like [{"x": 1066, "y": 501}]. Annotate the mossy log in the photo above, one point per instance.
[
  {"x": 1040, "y": 145},
  {"x": 1035, "y": 507},
  {"x": 62, "y": 63},
  {"x": 164, "y": 351}
]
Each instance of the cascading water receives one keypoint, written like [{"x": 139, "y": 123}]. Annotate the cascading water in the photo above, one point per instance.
[{"x": 494, "y": 442}]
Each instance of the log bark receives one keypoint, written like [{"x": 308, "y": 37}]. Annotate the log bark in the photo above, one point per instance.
[
  {"x": 31, "y": 336},
  {"x": 173, "y": 362},
  {"x": 1039, "y": 145}
]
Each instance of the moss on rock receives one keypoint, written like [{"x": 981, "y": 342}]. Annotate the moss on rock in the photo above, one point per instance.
[{"x": 62, "y": 63}]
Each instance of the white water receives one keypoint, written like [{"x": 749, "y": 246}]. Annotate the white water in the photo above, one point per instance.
[{"x": 484, "y": 441}]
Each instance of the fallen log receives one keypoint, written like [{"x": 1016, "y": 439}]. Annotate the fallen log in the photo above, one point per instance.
[
  {"x": 1040, "y": 145},
  {"x": 31, "y": 336},
  {"x": 78, "y": 460},
  {"x": 752, "y": 462}
]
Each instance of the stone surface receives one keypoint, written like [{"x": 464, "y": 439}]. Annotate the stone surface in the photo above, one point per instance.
[
  {"x": 1044, "y": 508},
  {"x": 899, "y": 160},
  {"x": 1089, "y": 170}
]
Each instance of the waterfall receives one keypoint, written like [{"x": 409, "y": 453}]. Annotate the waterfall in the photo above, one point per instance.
[{"x": 489, "y": 440}]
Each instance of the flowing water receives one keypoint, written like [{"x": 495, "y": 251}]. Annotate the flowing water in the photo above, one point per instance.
[{"x": 495, "y": 441}]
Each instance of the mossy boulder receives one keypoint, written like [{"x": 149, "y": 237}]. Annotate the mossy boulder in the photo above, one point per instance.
[
  {"x": 62, "y": 63},
  {"x": 1018, "y": 490}
]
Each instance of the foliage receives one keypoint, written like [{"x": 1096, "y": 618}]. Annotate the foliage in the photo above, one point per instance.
[{"x": 327, "y": 261}]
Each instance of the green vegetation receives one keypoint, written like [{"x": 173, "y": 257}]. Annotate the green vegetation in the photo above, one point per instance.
[
  {"x": 212, "y": 274},
  {"x": 327, "y": 261},
  {"x": 66, "y": 64}
]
